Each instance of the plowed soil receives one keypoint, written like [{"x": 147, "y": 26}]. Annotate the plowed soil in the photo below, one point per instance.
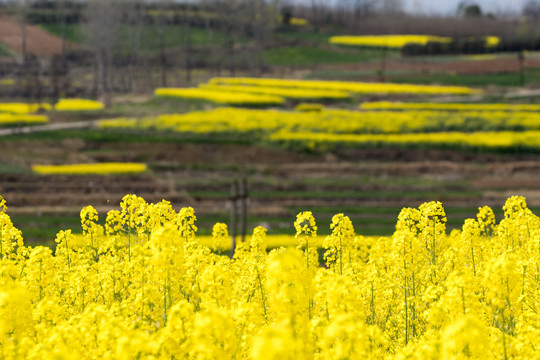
[
  {"x": 370, "y": 185},
  {"x": 38, "y": 41},
  {"x": 464, "y": 67}
]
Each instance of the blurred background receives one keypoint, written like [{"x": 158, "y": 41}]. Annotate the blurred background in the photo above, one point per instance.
[{"x": 118, "y": 52}]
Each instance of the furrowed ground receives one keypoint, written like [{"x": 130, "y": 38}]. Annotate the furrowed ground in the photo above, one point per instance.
[{"x": 370, "y": 186}]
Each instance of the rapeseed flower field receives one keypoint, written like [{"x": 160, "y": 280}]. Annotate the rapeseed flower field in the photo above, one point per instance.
[
  {"x": 388, "y": 105},
  {"x": 347, "y": 86},
  {"x": 223, "y": 97},
  {"x": 323, "y": 126},
  {"x": 141, "y": 284},
  {"x": 281, "y": 91}
]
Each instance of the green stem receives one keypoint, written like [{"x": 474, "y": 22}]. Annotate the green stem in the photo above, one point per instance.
[{"x": 262, "y": 293}]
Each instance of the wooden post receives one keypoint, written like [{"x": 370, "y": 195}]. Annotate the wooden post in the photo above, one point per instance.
[
  {"x": 521, "y": 62},
  {"x": 234, "y": 197},
  {"x": 382, "y": 68},
  {"x": 243, "y": 208}
]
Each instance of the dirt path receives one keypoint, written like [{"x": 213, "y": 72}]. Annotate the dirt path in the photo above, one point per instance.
[
  {"x": 48, "y": 127},
  {"x": 39, "y": 41}
]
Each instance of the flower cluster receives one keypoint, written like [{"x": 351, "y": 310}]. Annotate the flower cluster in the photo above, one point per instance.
[{"x": 143, "y": 286}]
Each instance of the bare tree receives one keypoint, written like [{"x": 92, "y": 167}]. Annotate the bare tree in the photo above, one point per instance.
[
  {"x": 362, "y": 8},
  {"x": 531, "y": 10},
  {"x": 161, "y": 22},
  {"x": 103, "y": 32},
  {"x": 264, "y": 28},
  {"x": 207, "y": 7},
  {"x": 21, "y": 7},
  {"x": 187, "y": 48},
  {"x": 232, "y": 21},
  {"x": 58, "y": 65},
  {"x": 390, "y": 6},
  {"x": 29, "y": 68},
  {"x": 134, "y": 21}
]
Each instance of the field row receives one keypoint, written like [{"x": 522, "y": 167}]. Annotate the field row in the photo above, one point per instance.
[{"x": 328, "y": 127}]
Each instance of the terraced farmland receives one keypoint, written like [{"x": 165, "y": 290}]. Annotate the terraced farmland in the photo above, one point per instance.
[{"x": 370, "y": 186}]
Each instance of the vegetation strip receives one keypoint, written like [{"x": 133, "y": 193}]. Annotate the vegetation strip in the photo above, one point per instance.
[
  {"x": 353, "y": 87},
  {"x": 92, "y": 169}
]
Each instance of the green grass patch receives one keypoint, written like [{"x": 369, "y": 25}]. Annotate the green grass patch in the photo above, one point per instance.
[
  {"x": 162, "y": 105},
  {"x": 309, "y": 55},
  {"x": 310, "y": 194},
  {"x": 302, "y": 36},
  {"x": 41, "y": 229},
  {"x": 74, "y": 32},
  {"x": 174, "y": 36},
  {"x": 151, "y": 37},
  {"x": 4, "y": 50},
  {"x": 348, "y": 75},
  {"x": 130, "y": 136},
  {"x": 502, "y": 79},
  {"x": 7, "y": 168}
]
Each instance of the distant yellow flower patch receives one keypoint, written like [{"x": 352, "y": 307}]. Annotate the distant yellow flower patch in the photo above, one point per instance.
[
  {"x": 78, "y": 105},
  {"x": 91, "y": 169},
  {"x": 502, "y": 139},
  {"x": 492, "y": 41},
  {"x": 326, "y": 120},
  {"x": 347, "y": 86},
  {"x": 23, "y": 108},
  {"x": 294, "y": 21},
  {"x": 119, "y": 123},
  {"x": 391, "y": 41},
  {"x": 221, "y": 96},
  {"x": 281, "y": 91},
  {"x": 480, "y": 57},
  {"x": 6, "y": 119},
  {"x": 306, "y": 107},
  {"x": 387, "y": 105},
  {"x": 7, "y": 82}
]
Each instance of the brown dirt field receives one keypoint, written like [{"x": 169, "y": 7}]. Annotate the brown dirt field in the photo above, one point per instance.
[
  {"x": 464, "y": 67},
  {"x": 39, "y": 42},
  {"x": 200, "y": 175}
]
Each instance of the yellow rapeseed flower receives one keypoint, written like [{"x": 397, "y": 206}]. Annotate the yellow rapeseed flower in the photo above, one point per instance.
[
  {"x": 348, "y": 86},
  {"x": 6, "y": 119},
  {"x": 391, "y": 41},
  {"x": 78, "y": 105},
  {"x": 23, "y": 108},
  {"x": 93, "y": 169},
  {"x": 221, "y": 96}
]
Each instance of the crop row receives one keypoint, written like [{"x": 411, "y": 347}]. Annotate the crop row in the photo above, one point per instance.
[
  {"x": 61, "y": 105},
  {"x": 489, "y": 129}
]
